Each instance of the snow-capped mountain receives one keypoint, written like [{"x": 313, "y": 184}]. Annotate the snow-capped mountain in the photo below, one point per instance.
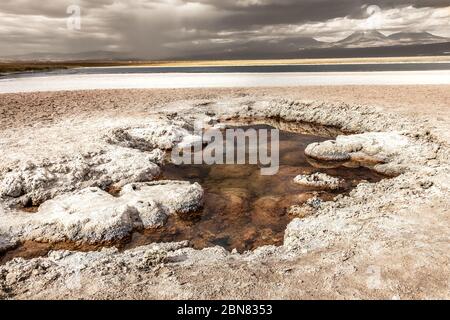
[
  {"x": 365, "y": 39},
  {"x": 374, "y": 38}
]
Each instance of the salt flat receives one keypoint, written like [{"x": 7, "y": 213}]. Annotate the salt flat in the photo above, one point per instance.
[
  {"x": 217, "y": 80},
  {"x": 382, "y": 240}
]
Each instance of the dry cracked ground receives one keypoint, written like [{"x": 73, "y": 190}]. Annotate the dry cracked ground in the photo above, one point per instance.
[{"x": 62, "y": 152}]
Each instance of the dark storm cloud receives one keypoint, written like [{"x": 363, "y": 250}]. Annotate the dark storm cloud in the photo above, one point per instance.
[
  {"x": 261, "y": 12},
  {"x": 164, "y": 28},
  {"x": 247, "y": 13}
]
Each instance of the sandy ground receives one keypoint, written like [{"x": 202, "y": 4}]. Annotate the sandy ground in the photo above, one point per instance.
[
  {"x": 389, "y": 240},
  {"x": 430, "y": 103}
]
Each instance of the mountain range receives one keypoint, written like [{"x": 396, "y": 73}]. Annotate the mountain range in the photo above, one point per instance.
[
  {"x": 374, "y": 38},
  {"x": 360, "y": 43}
]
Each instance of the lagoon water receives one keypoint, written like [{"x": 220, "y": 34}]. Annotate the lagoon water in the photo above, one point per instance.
[
  {"x": 298, "y": 68},
  {"x": 239, "y": 76}
]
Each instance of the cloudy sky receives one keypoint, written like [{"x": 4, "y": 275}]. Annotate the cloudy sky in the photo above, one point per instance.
[{"x": 161, "y": 29}]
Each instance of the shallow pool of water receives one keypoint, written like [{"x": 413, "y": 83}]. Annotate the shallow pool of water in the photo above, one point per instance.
[{"x": 244, "y": 209}]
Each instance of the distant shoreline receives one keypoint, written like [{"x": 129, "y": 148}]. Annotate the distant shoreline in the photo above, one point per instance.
[{"x": 36, "y": 66}]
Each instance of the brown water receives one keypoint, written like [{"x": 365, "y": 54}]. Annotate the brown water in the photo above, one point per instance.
[{"x": 244, "y": 209}]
